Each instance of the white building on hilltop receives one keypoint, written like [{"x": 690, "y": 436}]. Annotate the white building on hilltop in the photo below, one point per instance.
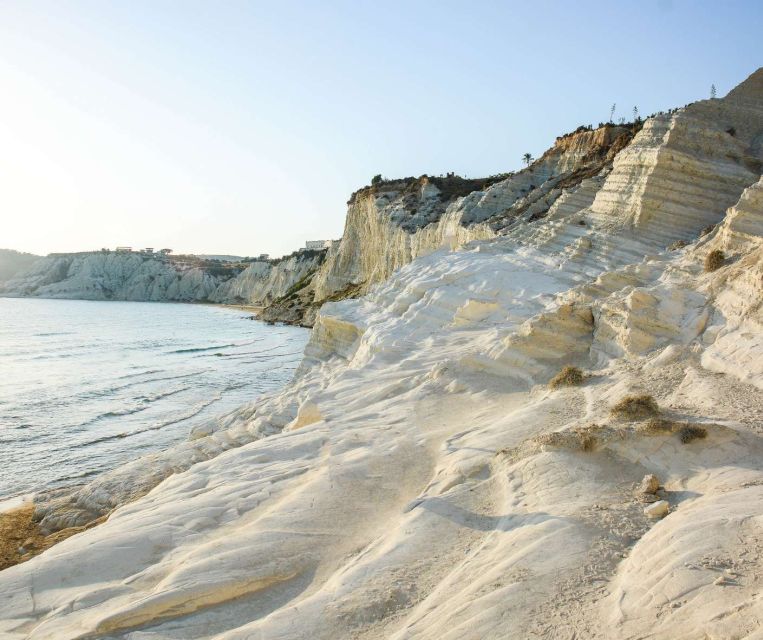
[{"x": 321, "y": 244}]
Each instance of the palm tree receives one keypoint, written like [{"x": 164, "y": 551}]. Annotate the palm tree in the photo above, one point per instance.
[{"x": 527, "y": 158}]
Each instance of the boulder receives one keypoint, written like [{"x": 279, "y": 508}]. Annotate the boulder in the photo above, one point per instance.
[{"x": 658, "y": 509}]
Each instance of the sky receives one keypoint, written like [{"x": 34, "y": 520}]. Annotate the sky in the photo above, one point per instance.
[{"x": 230, "y": 127}]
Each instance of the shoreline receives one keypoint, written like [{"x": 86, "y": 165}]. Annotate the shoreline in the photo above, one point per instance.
[
  {"x": 254, "y": 309},
  {"x": 21, "y": 537}
]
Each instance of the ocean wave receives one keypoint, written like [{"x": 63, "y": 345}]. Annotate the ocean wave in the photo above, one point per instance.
[
  {"x": 200, "y": 349},
  {"x": 144, "y": 403},
  {"x": 175, "y": 419},
  {"x": 107, "y": 438},
  {"x": 159, "y": 395},
  {"x": 53, "y": 333},
  {"x": 258, "y": 355},
  {"x": 139, "y": 373},
  {"x": 103, "y": 397}
]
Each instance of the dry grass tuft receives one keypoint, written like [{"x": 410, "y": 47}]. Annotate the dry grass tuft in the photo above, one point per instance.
[
  {"x": 567, "y": 377},
  {"x": 686, "y": 432},
  {"x": 689, "y": 432},
  {"x": 656, "y": 426},
  {"x": 587, "y": 436},
  {"x": 714, "y": 260},
  {"x": 636, "y": 407},
  {"x": 708, "y": 229},
  {"x": 553, "y": 439}
]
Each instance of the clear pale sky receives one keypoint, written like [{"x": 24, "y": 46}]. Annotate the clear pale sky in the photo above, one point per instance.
[{"x": 243, "y": 127}]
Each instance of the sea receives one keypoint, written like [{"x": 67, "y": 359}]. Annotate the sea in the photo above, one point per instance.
[{"x": 86, "y": 386}]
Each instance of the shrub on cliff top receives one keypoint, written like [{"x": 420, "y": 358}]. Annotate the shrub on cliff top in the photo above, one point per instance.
[
  {"x": 636, "y": 407},
  {"x": 568, "y": 377},
  {"x": 714, "y": 260}
]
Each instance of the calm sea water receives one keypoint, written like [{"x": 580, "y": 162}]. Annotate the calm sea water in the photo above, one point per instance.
[{"x": 86, "y": 386}]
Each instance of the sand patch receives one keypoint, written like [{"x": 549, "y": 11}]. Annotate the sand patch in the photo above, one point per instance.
[{"x": 21, "y": 538}]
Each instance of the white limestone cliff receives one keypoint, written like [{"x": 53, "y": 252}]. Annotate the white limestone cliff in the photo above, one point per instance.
[
  {"x": 138, "y": 277},
  {"x": 262, "y": 283},
  {"x": 419, "y": 479},
  {"x": 391, "y": 225}
]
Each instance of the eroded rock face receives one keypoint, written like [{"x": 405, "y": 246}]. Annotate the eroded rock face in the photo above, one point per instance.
[
  {"x": 262, "y": 283},
  {"x": 391, "y": 225},
  {"x": 132, "y": 276},
  {"x": 681, "y": 172},
  {"x": 677, "y": 175},
  {"x": 111, "y": 276},
  {"x": 418, "y": 479}
]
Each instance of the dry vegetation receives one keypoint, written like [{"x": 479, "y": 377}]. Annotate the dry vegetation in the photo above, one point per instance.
[
  {"x": 714, "y": 260},
  {"x": 568, "y": 377},
  {"x": 636, "y": 407},
  {"x": 678, "y": 244},
  {"x": 686, "y": 432},
  {"x": 656, "y": 426},
  {"x": 689, "y": 432},
  {"x": 587, "y": 436}
]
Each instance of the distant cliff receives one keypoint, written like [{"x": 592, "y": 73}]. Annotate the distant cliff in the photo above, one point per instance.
[
  {"x": 13, "y": 262},
  {"x": 141, "y": 277}
]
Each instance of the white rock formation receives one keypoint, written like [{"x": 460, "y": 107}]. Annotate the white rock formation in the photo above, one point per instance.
[
  {"x": 658, "y": 509},
  {"x": 650, "y": 483},
  {"x": 110, "y": 276},
  {"x": 137, "y": 277},
  {"x": 418, "y": 479},
  {"x": 388, "y": 227},
  {"x": 261, "y": 282}
]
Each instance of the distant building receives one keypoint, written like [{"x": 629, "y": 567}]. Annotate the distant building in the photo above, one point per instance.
[
  {"x": 124, "y": 249},
  {"x": 148, "y": 250},
  {"x": 263, "y": 256},
  {"x": 321, "y": 244}
]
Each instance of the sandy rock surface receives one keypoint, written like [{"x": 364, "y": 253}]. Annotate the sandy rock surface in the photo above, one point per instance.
[{"x": 419, "y": 479}]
